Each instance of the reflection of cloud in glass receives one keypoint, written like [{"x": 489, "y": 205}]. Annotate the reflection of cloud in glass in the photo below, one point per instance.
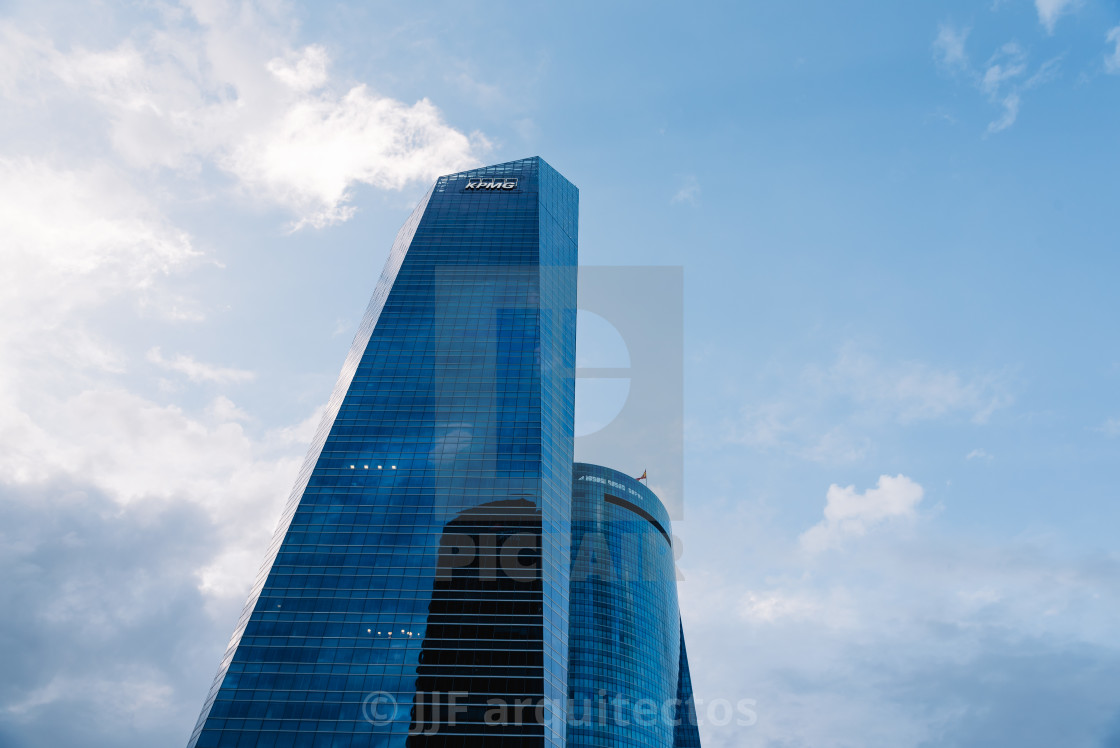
[{"x": 452, "y": 439}]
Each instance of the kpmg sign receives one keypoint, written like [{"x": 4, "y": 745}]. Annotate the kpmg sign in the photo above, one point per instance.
[{"x": 491, "y": 183}]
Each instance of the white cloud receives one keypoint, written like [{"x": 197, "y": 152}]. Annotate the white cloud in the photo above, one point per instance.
[
  {"x": 74, "y": 240},
  {"x": 134, "y": 451},
  {"x": 1010, "y": 105},
  {"x": 302, "y": 70},
  {"x": 1011, "y": 66},
  {"x": 310, "y": 156},
  {"x": 197, "y": 371},
  {"x": 978, "y": 454},
  {"x": 837, "y": 446},
  {"x": 1002, "y": 79},
  {"x": 689, "y": 192},
  {"x": 949, "y": 49},
  {"x": 142, "y": 521},
  {"x": 105, "y": 632},
  {"x": 1110, "y": 428},
  {"x": 898, "y": 623},
  {"x": 1007, "y": 63},
  {"x": 222, "y": 85},
  {"x": 774, "y": 605},
  {"x": 132, "y": 448},
  {"x": 74, "y": 237},
  {"x": 850, "y": 514},
  {"x": 120, "y": 699},
  {"x": 838, "y": 413},
  {"x": 788, "y": 604},
  {"x": 913, "y": 391},
  {"x": 1112, "y": 60},
  {"x": 211, "y": 84},
  {"x": 223, "y": 409},
  {"x": 1050, "y": 10}
]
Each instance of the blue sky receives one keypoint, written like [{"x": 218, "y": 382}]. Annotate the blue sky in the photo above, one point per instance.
[{"x": 896, "y": 224}]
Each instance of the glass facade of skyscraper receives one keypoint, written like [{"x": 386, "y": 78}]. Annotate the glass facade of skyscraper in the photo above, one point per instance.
[
  {"x": 628, "y": 678},
  {"x": 418, "y": 590},
  {"x": 457, "y": 393}
]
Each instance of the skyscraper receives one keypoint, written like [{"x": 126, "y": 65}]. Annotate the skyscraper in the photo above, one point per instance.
[
  {"x": 420, "y": 575},
  {"x": 628, "y": 679}
]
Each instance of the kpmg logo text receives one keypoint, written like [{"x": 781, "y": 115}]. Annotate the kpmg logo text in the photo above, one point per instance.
[{"x": 491, "y": 183}]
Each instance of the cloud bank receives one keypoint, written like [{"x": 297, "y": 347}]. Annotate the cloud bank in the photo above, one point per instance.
[
  {"x": 848, "y": 514},
  {"x": 137, "y": 495},
  {"x": 219, "y": 85}
]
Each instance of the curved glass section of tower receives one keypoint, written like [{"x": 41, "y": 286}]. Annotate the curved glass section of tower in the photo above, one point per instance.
[
  {"x": 628, "y": 679},
  {"x": 454, "y": 408}
]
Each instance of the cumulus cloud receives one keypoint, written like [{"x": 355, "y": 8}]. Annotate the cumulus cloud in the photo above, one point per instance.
[
  {"x": 75, "y": 240},
  {"x": 850, "y": 514},
  {"x": 75, "y": 237},
  {"x": 311, "y": 155},
  {"x": 895, "y": 643},
  {"x": 102, "y": 607},
  {"x": 978, "y": 454},
  {"x": 131, "y": 527},
  {"x": 114, "y": 626},
  {"x": 224, "y": 87},
  {"x": 132, "y": 450},
  {"x": 130, "y": 532},
  {"x": 197, "y": 371},
  {"x": 302, "y": 70}
]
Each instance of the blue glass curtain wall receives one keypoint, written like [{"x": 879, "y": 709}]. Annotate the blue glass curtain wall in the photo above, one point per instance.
[
  {"x": 628, "y": 680},
  {"x": 457, "y": 394}
]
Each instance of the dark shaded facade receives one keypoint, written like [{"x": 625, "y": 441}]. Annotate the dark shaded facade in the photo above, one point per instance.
[
  {"x": 457, "y": 392},
  {"x": 484, "y": 631},
  {"x": 628, "y": 679}
]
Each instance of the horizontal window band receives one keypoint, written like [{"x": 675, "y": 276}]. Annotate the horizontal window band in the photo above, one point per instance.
[{"x": 640, "y": 512}]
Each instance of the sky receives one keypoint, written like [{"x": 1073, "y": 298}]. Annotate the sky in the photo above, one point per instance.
[{"x": 896, "y": 227}]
